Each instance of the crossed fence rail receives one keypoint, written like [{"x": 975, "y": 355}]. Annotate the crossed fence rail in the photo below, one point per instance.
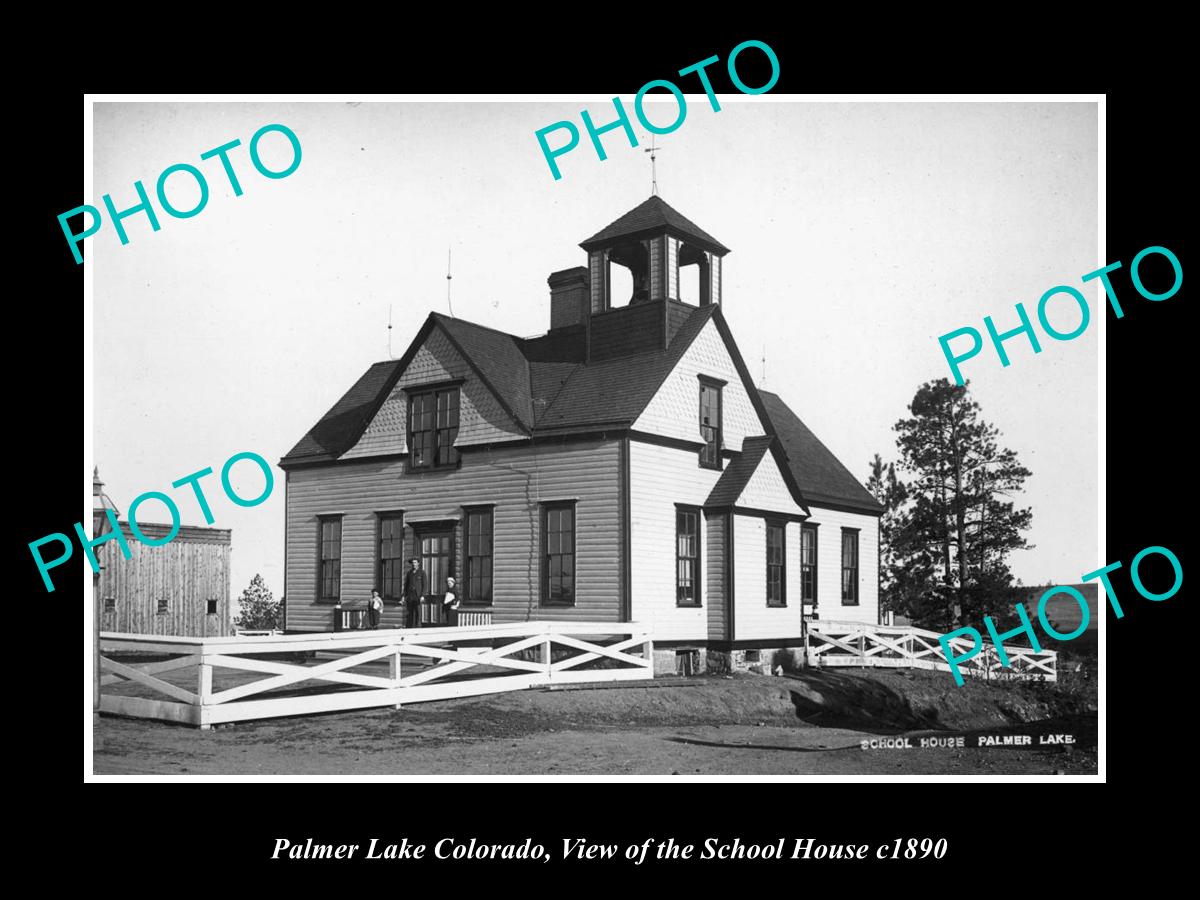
[
  {"x": 904, "y": 646},
  {"x": 421, "y": 664}
]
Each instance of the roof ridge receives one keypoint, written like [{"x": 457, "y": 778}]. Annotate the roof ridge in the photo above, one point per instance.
[{"x": 507, "y": 334}]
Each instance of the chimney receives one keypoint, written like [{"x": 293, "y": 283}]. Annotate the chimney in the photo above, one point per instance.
[{"x": 568, "y": 297}]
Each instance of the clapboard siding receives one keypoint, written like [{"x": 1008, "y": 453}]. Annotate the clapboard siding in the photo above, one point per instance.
[
  {"x": 674, "y": 411},
  {"x": 717, "y": 530},
  {"x": 187, "y": 572},
  {"x": 481, "y": 418},
  {"x": 659, "y": 478},
  {"x": 753, "y": 619},
  {"x": 829, "y": 565},
  {"x": 515, "y": 479}
]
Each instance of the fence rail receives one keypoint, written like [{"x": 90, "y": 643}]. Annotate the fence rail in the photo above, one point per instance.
[
  {"x": 903, "y": 646},
  {"x": 357, "y": 670}
]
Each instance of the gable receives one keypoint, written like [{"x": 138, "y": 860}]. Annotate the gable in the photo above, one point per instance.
[
  {"x": 482, "y": 418},
  {"x": 674, "y": 411},
  {"x": 766, "y": 489}
]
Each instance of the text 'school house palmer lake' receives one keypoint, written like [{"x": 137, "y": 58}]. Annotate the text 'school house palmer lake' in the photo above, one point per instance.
[{"x": 621, "y": 467}]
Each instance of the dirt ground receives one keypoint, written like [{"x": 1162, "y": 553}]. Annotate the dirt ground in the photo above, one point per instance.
[{"x": 809, "y": 723}]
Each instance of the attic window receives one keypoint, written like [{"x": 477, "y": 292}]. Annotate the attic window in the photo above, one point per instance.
[
  {"x": 433, "y": 428},
  {"x": 710, "y": 422}
]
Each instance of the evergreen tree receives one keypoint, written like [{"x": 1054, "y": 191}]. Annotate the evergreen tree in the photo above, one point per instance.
[
  {"x": 949, "y": 546},
  {"x": 892, "y": 493},
  {"x": 257, "y": 608}
]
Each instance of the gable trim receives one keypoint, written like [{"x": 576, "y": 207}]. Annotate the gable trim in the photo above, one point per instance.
[
  {"x": 517, "y": 420},
  {"x": 760, "y": 409}
]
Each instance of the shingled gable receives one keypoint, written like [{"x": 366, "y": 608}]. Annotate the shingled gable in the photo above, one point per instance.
[
  {"x": 493, "y": 356},
  {"x": 653, "y": 216},
  {"x": 821, "y": 476},
  {"x": 578, "y": 396}
]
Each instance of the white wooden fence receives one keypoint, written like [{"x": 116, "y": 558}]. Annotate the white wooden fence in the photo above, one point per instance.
[
  {"x": 357, "y": 669},
  {"x": 903, "y": 646}
]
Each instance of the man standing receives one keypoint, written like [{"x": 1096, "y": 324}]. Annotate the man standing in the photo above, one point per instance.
[{"x": 416, "y": 587}]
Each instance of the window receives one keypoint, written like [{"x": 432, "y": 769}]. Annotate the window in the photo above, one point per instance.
[
  {"x": 849, "y": 567},
  {"x": 558, "y": 553},
  {"x": 710, "y": 422},
  {"x": 329, "y": 576},
  {"x": 162, "y": 606},
  {"x": 391, "y": 557},
  {"x": 432, "y": 428},
  {"x": 776, "y": 566},
  {"x": 110, "y": 604},
  {"x": 479, "y": 555},
  {"x": 212, "y": 607},
  {"x": 808, "y": 564},
  {"x": 687, "y": 556}
]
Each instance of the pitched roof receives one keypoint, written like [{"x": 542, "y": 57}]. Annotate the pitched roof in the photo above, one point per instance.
[
  {"x": 739, "y": 471},
  {"x": 343, "y": 425},
  {"x": 821, "y": 476},
  {"x": 497, "y": 357},
  {"x": 548, "y": 397},
  {"x": 570, "y": 395},
  {"x": 654, "y": 214},
  {"x": 616, "y": 391}
]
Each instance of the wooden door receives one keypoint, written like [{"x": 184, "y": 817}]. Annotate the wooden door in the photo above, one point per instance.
[{"x": 437, "y": 561}]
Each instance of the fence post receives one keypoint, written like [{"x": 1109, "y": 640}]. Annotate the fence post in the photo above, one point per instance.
[
  {"x": 546, "y": 651},
  {"x": 204, "y": 689}
]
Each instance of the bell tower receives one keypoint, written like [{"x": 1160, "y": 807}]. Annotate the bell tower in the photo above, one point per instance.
[{"x": 652, "y": 241}]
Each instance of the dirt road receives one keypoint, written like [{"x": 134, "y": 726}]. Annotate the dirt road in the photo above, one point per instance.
[{"x": 814, "y": 723}]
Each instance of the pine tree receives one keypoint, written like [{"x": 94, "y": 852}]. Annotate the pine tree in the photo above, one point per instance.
[
  {"x": 257, "y": 608},
  {"x": 949, "y": 546},
  {"x": 892, "y": 493}
]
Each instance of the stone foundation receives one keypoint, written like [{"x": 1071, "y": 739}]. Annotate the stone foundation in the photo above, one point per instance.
[{"x": 674, "y": 660}]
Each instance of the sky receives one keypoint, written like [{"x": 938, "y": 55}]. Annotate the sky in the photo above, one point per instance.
[{"x": 859, "y": 233}]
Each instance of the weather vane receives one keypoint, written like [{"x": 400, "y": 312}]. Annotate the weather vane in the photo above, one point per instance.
[{"x": 653, "y": 151}]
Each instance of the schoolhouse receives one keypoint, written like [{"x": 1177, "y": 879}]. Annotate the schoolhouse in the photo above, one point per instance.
[{"x": 621, "y": 467}]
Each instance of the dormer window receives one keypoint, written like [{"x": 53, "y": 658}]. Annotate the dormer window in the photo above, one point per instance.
[
  {"x": 433, "y": 428},
  {"x": 710, "y": 422}
]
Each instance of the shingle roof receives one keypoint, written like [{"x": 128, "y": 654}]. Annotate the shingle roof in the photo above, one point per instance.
[
  {"x": 341, "y": 427},
  {"x": 498, "y": 358},
  {"x": 557, "y": 396},
  {"x": 653, "y": 214},
  {"x": 617, "y": 390},
  {"x": 821, "y": 476},
  {"x": 738, "y": 472}
]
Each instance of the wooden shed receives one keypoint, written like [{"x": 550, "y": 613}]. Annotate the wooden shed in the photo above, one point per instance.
[{"x": 180, "y": 588}]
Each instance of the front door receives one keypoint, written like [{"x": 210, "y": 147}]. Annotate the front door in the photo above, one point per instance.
[{"x": 437, "y": 561}]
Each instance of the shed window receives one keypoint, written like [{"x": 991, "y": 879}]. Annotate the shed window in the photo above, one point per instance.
[
  {"x": 212, "y": 607},
  {"x": 110, "y": 604},
  {"x": 162, "y": 605}
]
